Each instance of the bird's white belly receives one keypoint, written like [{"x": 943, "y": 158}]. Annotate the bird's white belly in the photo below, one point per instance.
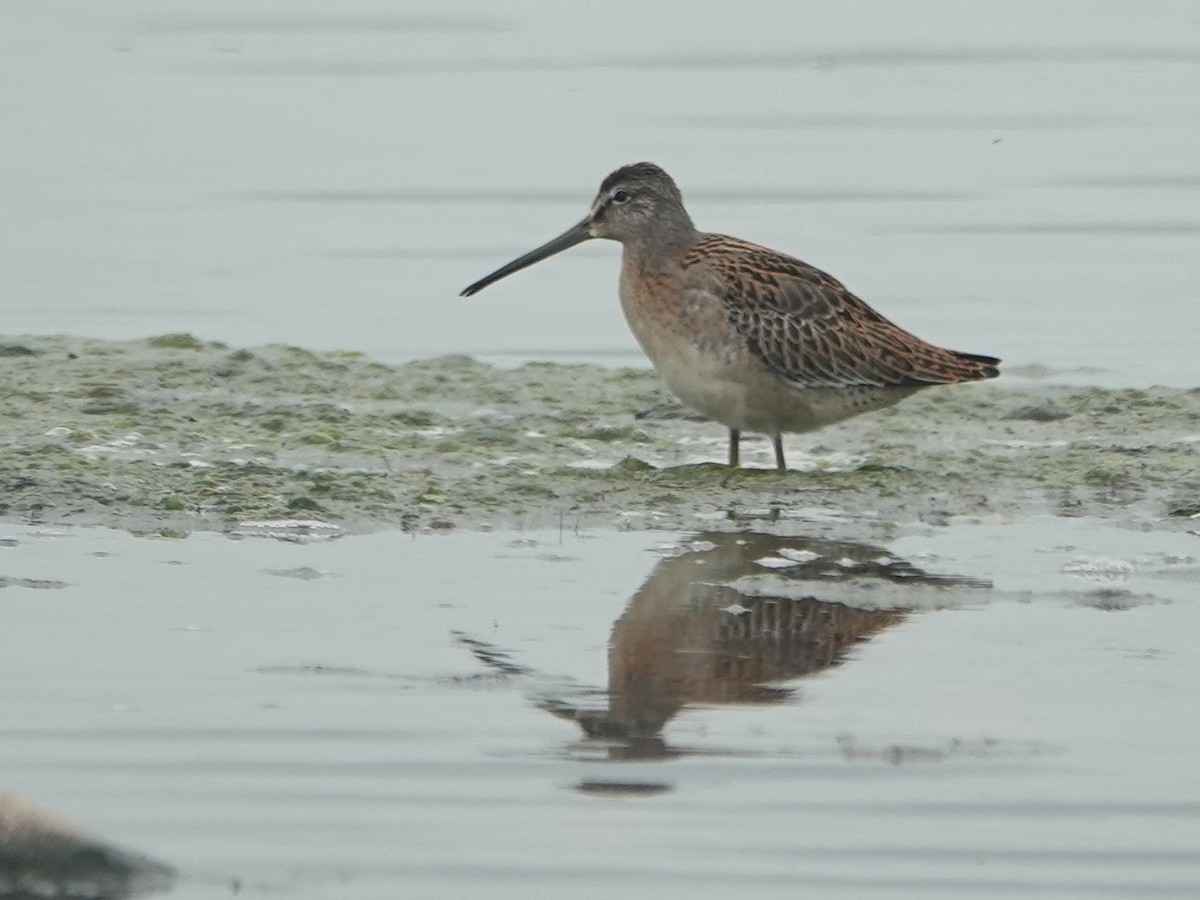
[
  {"x": 707, "y": 384},
  {"x": 725, "y": 382},
  {"x": 746, "y": 396}
]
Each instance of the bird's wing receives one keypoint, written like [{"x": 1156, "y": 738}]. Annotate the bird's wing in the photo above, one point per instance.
[{"x": 811, "y": 331}]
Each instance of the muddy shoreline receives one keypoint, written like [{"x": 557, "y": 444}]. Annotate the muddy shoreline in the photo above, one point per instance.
[{"x": 176, "y": 434}]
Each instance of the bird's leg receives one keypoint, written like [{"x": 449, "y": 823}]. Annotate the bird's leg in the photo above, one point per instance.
[
  {"x": 779, "y": 462},
  {"x": 734, "y": 437}
]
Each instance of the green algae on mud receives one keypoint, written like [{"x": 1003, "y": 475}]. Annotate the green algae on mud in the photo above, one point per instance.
[{"x": 176, "y": 433}]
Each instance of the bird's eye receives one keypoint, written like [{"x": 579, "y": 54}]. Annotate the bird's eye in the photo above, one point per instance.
[{"x": 620, "y": 196}]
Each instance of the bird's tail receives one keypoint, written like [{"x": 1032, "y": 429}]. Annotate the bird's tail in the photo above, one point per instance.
[{"x": 976, "y": 367}]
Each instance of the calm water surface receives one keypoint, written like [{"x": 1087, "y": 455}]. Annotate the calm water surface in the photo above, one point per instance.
[
  {"x": 987, "y": 710},
  {"x": 1020, "y": 180}
]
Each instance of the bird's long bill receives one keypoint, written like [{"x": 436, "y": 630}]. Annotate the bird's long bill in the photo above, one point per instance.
[{"x": 576, "y": 234}]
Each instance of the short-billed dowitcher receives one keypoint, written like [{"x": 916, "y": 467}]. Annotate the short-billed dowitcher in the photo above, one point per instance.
[{"x": 751, "y": 338}]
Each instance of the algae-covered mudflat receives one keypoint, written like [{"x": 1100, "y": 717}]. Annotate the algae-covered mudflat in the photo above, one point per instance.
[{"x": 174, "y": 433}]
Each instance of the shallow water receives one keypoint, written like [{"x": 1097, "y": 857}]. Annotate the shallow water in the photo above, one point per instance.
[
  {"x": 389, "y": 715},
  {"x": 1019, "y": 180}
]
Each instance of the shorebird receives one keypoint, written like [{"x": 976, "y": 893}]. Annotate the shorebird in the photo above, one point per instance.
[{"x": 747, "y": 336}]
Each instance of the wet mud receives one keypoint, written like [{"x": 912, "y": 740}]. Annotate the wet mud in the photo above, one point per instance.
[{"x": 173, "y": 433}]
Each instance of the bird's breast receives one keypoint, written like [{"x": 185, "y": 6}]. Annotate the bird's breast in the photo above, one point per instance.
[
  {"x": 684, "y": 330},
  {"x": 672, "y": 318}
]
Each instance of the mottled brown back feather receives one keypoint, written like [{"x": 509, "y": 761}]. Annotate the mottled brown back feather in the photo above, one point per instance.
[{"x": 812, "y": 332}]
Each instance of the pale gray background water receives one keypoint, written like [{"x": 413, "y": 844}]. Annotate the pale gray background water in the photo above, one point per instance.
[{"x": 1018, "y": 179}]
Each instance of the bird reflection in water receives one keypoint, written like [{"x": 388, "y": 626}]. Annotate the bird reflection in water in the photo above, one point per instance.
[{"x": 735, "y": 618}]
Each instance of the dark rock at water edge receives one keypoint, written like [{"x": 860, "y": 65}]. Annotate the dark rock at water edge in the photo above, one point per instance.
[{"x": 45, "y": 856}]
